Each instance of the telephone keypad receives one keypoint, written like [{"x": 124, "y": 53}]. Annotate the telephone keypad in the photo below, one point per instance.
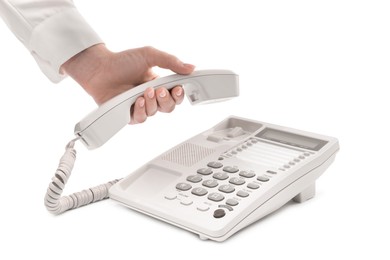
[{"x": 225, "y": 187}]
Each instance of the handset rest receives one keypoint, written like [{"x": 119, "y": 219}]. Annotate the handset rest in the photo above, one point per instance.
[{"x": 201, "y": 86}]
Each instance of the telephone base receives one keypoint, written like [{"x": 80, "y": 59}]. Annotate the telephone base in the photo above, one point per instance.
[{"x": 306, "y": 194}]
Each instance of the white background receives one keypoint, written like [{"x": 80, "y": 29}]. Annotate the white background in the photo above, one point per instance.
[{"x": 320, "y": 66}]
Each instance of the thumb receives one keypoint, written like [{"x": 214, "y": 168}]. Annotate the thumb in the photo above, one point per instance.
[{"x": 165, "y": 60}]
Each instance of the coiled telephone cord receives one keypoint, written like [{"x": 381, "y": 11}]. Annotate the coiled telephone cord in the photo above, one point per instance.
[{"x": 57, "y": 204}]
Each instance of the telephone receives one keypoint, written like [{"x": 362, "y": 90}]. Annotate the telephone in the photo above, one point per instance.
[{"x": 215, "y": 183}]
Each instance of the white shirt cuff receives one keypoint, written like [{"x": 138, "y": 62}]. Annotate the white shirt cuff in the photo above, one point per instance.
[{"x": 58, "y": 38}]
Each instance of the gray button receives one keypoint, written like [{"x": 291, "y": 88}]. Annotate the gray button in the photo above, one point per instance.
[
  {"x": 215, "y": 196},
  {"x": 237, "y": 181},
  {"x": 220, "y": 175},
  {"x": 263, "y": 178},
  {"x": 232, "y": 202},
  {"x": 194, "y": 178},
  {"x": 253, "y": 186},
  {"x": 230, "y": 169},
  {"x": 219, "y": 213},
  {"x": 242, "y": 194},
  {"x": 215, "y": 165},
  {"x": 226, "y": 188},
  {"x": 247, "y": 174},
  {"x": 183, "y": 186},
  {"x": 205, "y": 171},
  {"x": 210, "y": 183},
  {"x": 272, "y": 172},
  {"x": 199, "y": 191}
]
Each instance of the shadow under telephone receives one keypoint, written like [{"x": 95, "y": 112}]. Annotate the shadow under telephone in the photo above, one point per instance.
[{"x": 213, "y": 184}]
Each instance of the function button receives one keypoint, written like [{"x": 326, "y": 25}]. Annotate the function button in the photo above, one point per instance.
[
  {"x": 219, "y": 213},
  {"x": 253, "y": 186},
  {"x": 247, "y": 174},
  {"x": 286, "y": 166},
  {"x": 306, "y": 154},
  {"x": 220, "y": 158},
  {"x": 232, "y": 202},
  {"x": 202, "y": 207},
  {"x": 205, "y": 171},
  {"x": 244, "y": 146},
  {"x": 291, "y": 163},
  {"x": 183, "y": 186},
  {"x": 239, "y": 149},
  {"x": 215, "y": 165},
  {"x": 226, "y": 188},
  {"x": 254, "y": 141},
  {"x": 215, "y": 196},
  {"x": 249, "y": 144},
  {"x": 236, "y": 181},
  {"x": 220, "y": 175},
  {"x": 194, "y": 178},
  {"x": 186, "y": 201},
  {"x": 301, "y": 157},
  {"x": 226, "y": 207},
  {"x": 297, "y": 160},
  {"x": 210, "y": 183},
  {"x": 263, "y": 178},
  {"x": 272, "y": 172},
  {"x": 170, "y": 196},
  {"x": 230, "y": 169},
  {"x": 242, "y": 194},
  {"x": 199, "y": 191}
]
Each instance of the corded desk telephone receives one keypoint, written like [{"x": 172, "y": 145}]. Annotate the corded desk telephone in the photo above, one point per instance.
[{"x": 215, "y": 183}]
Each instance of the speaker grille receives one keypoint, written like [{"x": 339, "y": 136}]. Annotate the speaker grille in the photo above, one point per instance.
[{"x": 187, "y": 154}]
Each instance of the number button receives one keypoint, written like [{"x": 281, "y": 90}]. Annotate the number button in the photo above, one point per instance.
[
  {"x": 236, "y": 181},
  {"x": 210, "y": 183},
  {"x": 199, "y": 191},
  {"x": 205, "y": 171},
  {"x": 263, "y": 178},
  {"x": 215, "y": 196},
  {"x": 230, "y": 169},
  {"x": 220, "y": 176},
  {"x": 226, "y": 188},
  {"x": 194, "y": 178},
  {"x": 215, "y": 165},
  {"x": 183, "y": 186},
  {"x": 247, "y": 174}
]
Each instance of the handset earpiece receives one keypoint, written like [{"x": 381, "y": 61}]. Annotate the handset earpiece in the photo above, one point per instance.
[{"x": 201, "y": 86}]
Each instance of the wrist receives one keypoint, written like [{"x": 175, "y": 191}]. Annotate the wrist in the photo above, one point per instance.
[{"x": 83, "y": 66}]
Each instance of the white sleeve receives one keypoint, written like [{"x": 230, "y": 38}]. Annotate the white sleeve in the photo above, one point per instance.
[{"x": 52, "y": 30}]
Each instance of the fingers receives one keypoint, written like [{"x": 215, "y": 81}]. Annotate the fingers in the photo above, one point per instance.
[
  {"x": 155, "y": 100},
  {"x": 138, "y": 111},
  {"x": 164, "y": 60},
  {"x": 177, "y": 94}
]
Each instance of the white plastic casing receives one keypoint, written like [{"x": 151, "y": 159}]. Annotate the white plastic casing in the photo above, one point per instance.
[
  {"x": 200, "y": 87},
  {"x": 284, "y": 164}
]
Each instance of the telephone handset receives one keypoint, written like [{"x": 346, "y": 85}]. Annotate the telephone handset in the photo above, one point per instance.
[{"x": 200, "y": 87}]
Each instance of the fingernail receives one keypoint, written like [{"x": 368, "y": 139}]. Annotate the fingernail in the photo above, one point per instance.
[
  {"x": 150, "y": 93},
  {"x": 188, "y": 65},
  {"x": 141, "y": 102},
  {"x": 179, "y": 92},
  {"x": 163, "y": 93}
]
